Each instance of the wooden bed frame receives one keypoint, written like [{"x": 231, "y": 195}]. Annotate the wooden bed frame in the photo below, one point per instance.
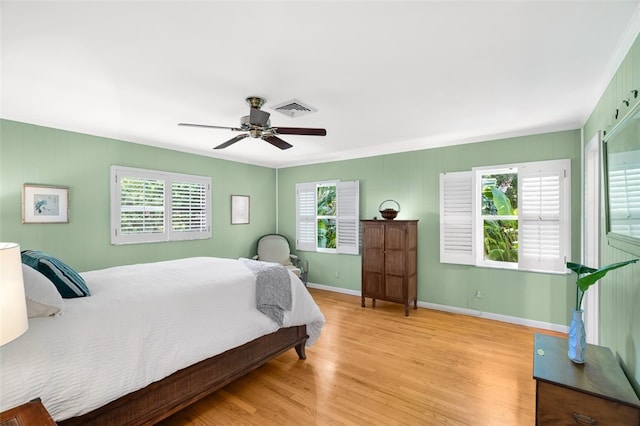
[{"x": 163, "y": 398}]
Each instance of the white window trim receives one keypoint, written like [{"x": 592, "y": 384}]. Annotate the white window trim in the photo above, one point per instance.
[
  {"x": 118, "y": 238},
  {"x": 458, "y": 218},
  {"x": 591, "y": 162},
  {"x": 347, "y": 217}
]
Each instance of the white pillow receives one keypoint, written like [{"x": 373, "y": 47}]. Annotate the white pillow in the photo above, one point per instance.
[{"x": 43, "y": 298}]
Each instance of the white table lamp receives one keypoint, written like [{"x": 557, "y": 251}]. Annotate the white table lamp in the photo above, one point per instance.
[{"x": 13, "y": 308}]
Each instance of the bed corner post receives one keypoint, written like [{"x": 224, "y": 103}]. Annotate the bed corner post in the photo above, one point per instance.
[
  {"x": 300, "y": 347},
  {"x": 300, "y": 350}
]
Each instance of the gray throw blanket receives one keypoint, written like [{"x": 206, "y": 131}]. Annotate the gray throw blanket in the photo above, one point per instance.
[{"x": 273, "y": 288}]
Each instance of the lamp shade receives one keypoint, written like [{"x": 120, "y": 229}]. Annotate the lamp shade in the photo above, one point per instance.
[{"x": 13, "y": 307}]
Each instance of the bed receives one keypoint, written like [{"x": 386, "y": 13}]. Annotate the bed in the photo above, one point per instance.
[{"x": 151, "y": 339}]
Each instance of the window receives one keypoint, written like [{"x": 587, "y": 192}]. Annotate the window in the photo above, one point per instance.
[
  {"x": 153, "y": 206},
  {"x": 515, "y": 216},
  {"x": 498, "y": 217},
  {"x": 327, "y": 217}
]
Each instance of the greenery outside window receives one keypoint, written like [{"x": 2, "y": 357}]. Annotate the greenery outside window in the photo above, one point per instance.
[
  {"x": 326, "y": 216},
  {"x": 154, "y": 206},
  {"x": 499, "y": 216}
]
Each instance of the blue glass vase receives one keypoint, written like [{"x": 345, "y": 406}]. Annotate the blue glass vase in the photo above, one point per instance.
[{"x": 577, "y": 338}]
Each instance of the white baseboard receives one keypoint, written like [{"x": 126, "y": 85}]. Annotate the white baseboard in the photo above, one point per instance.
[
  {"x": 463, "y": 311},
  {"x": 334, "y": 289}
]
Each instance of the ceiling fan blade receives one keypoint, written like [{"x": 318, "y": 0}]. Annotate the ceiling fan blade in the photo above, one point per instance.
[
  {"x": 257, "y": 117},
  {"x": 276, "y": 141},
  {"x": 232, "y": 141},
  {"x": 300, "y": 131},
  {"x": 210, "y": 126}
]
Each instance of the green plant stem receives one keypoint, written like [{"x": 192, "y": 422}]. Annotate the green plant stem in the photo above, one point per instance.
[
  {"x": 579, "y": 305},
  {"x": 579, "y": 296}
]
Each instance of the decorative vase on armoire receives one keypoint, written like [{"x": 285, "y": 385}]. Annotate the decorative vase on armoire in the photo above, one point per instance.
[{"x": 577, "y": 338}]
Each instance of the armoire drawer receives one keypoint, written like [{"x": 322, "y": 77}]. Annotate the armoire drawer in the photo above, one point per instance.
[{"x": 558, "y": 405}]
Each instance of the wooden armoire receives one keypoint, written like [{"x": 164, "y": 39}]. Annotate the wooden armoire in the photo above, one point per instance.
[{"x": 390, "y": 261}]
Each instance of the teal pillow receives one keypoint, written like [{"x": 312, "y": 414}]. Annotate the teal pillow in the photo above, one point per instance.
[{"x": 68, "y": 282}]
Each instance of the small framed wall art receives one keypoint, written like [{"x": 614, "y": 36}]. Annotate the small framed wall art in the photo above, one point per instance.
[
  {"x": 239, "y": 209},
  {"x": 45, "y": 204}
]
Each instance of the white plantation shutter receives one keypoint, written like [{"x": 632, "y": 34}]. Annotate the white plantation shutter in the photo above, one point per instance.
[
  {"x": 306, "y": 216},
  {"x": 142, "y": 205},
  {"x": 152, "y": 206},
  {"x": 140, "y": 216},
  {"x": 189, "y": 212},
  {"x": 543, "y": 233},
  {"x": 457, "y": 218},
  {"x": 348, "y": 217}
]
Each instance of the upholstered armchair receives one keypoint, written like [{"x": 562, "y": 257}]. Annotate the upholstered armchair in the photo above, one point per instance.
[{"x": 275, "y": 248}]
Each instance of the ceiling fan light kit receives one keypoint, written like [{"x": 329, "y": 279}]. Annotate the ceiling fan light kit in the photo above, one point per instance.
[{"x": 257, "y": 125}]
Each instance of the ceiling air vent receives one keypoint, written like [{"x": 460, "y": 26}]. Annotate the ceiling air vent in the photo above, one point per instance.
[{"x": 293, "y": 108}]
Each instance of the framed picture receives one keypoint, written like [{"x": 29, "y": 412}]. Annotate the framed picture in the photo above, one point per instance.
[
  {"x": 45, "y": 204},
  {"x": 239, "y": 209}
]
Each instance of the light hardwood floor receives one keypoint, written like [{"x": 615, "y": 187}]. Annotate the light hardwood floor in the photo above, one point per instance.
[{"x": 374, "y": 366}]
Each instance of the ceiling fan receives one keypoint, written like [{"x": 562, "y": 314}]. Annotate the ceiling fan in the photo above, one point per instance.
[{"x": 258, "y": 125}]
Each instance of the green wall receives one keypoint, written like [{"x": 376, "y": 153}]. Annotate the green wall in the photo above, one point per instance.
[
  {"x": 620, "y": 289},
  {"x": 412, "y": 179},
  {"x": 34, "y": 154}
]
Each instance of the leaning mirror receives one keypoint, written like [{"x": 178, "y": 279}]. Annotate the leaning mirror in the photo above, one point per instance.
[{"x": 622, "y": 183}]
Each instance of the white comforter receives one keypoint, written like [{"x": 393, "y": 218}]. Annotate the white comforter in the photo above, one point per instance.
[{"x": 142, "y": 323}]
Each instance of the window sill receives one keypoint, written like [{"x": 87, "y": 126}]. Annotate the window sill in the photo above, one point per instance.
[{"x": 504, "y": 268}]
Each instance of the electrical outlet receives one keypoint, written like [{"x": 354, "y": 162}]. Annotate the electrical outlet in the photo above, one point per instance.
[
  {"x": 337, "y": 274},
  {"x": 479, "y": 294}
]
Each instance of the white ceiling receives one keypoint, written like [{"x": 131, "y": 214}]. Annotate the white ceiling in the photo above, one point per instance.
[{"x": 384, "y": 76}]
